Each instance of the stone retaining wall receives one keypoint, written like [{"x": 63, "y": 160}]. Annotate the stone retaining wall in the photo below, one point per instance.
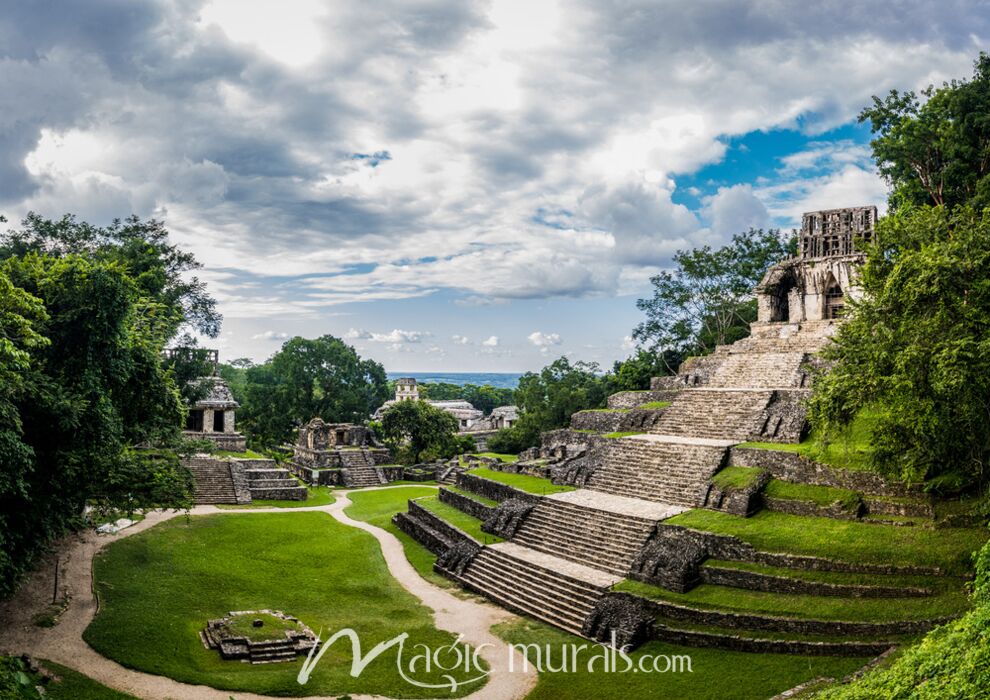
[
  {"x": 632, "y": 399},
  {"x": 790, "y": 466},
  {"x": 769, "y": 623},
  {"x": 754, "y": 581},
  {"x": 494, "y": 490},
  {"x": 731, "y": 642},
  {"x": 466, "y": 504},
  {"x": 598, "y": 421},
  {"x": 280, "y": 494},
  {"x": 793, "y": 506},
  {"x": 450, "y": 532}
]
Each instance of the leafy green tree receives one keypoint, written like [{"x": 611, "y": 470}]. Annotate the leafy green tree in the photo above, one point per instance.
[
  {"x": 546, "y": 401},
  {"x": 707, "y": 299},
  {"x": 935, "y": 151},
  {"x": 323, "y": 377},
  {"x": 420, "y": 431},
  {"x": 90, "y": 386},
  {"x": 916, "y": 349},
  {"x": 635, "y": 372},
  {"x": 159, "y": 269}
]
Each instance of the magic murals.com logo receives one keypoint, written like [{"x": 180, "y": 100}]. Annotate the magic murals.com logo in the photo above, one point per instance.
[{"x": 459, "y": 664}]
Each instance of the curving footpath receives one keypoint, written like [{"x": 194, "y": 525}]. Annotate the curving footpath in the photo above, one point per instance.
[{"x": 64, "y": 644}]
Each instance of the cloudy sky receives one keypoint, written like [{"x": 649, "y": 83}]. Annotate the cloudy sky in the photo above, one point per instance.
[{"x": 452, "y": 185}]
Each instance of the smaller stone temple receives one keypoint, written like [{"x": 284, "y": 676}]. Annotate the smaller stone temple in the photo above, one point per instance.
[
  {"x": 212, "y": 417},
  {"x": 816, "y": 285},
  {"x": 341, "y": 454}
]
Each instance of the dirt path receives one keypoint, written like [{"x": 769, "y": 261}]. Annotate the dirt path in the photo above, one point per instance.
[{"x": 64, "y": 644}]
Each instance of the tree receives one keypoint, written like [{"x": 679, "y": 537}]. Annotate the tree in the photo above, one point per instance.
[
  {"x": 323, "y": 377},
  {"x": 915, "y": 351},
  {"x": 707, "y": 299},
  {"x": 935, "y": 152},
  {"x": 86, "y": 385},
  {"x": 159, "y": 269},
  {"x": 635, "y": 372},
  {"x": 547, "y": 400},
  {"x": 421, "y": 430}
]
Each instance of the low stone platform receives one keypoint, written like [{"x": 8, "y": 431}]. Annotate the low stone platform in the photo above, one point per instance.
[
  {"x": 567, "y": 568},
  {"x": 619, "y": 505}
]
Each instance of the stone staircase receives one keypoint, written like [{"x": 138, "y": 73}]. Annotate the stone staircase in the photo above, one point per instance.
[
  {"x": 360, "y": 477},
  {"x": 552, "y": 590},
  {"x": 271, "y": 652},
  {"x": 448, "y": 474},
  {"x": 274, "y": 485},
  {"x": 212, "y": 482},
  {"x": 766, "y": 370},
  {"x": 716, "y": 414},
  {"x": 653, "y": 468},
  {"x": 595, "y": 538}
]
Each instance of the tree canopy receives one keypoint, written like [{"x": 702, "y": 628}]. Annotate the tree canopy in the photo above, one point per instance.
[
  {"x": 322, "y": 377},
  {"x": 707, "y": 299},
  {"x": 484, "y": 397},
  {"x": 916, "y": 349},
  {"x": 935, "y": 151},
  {"x": 83, "y": 383},
  {"x": 418, "y": 432},
  {"x": 547, "y": 399}
]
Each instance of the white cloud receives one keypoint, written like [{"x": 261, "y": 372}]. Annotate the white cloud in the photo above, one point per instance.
[
  {"x": 270, "y": 335},
  {"x": 544, "y": 341},
  {"x": 628, "y": 343},
  {"x": 491, "y": 342},
  {"x": 460, "y": 339},
  {"x": 397, "y": 337}
]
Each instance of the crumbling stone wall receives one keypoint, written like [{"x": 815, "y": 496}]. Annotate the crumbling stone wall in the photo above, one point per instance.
[
  {"x": 507, "y": 518},
  {"x": 494, "y": 490},
  {"x": 633, "y": 399},
  {"x": 796, "y": 468},
  {"x": 465, "y": 504}
]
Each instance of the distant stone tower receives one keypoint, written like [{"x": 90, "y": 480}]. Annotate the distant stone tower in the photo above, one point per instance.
[
  {"x": 815, "y": 285},
  {"x": 406, "y": 389}
]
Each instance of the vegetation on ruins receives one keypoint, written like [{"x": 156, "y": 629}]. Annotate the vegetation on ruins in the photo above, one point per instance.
[
  {"x": 934, "y": 151},
  {"x": 547, "y": 399},
  {"x": 86, "y": 314},
  {"x": 157, "y": 589},
  {"x": 707, "y": 299},
  {"x": 952, "y": 661},
  {"x": 18, "y": 681},
  {"x": 915, "y": 350},
  {"x": 420, "y": 432},
  {"x": 307, "y": 378}
]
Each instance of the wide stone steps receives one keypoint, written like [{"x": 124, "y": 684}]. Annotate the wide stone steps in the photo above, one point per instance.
[
  {"x": 212, "y": 484},
  {"x": 760, "y": 370},
  {"x": 649, "y": 468},
  {"x": 537, "y": 591},
  {"x": 715, "y": 414},
  {"x": 362, "y": 476},
  {"x": 594, "y": 538}
]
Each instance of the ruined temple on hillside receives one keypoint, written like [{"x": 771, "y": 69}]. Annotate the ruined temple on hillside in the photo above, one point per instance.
[{"x": 815, "y": 285}]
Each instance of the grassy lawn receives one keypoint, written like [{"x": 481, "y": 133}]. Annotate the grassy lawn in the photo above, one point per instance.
[
  {"x": 318, "y": 496},
  {"x": 736, "y": 477},
  {"x": 715, "y": 675},
  {"x": 158, "y": 589},
  {"x": 809, "y": 607},
  {"x": 508, "y": 459},
  {"x": 73, "y": 685},
  {"x": 378, "y": 507},
  {"x": 523, "y": 482},
  {"x": 623, "y": 433},
  {"x": 458, "y": 519},
  {"x": 819, "y": 495},
  {"x": 845, "y": 540},
  {"x": 850, "y": 451}
]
